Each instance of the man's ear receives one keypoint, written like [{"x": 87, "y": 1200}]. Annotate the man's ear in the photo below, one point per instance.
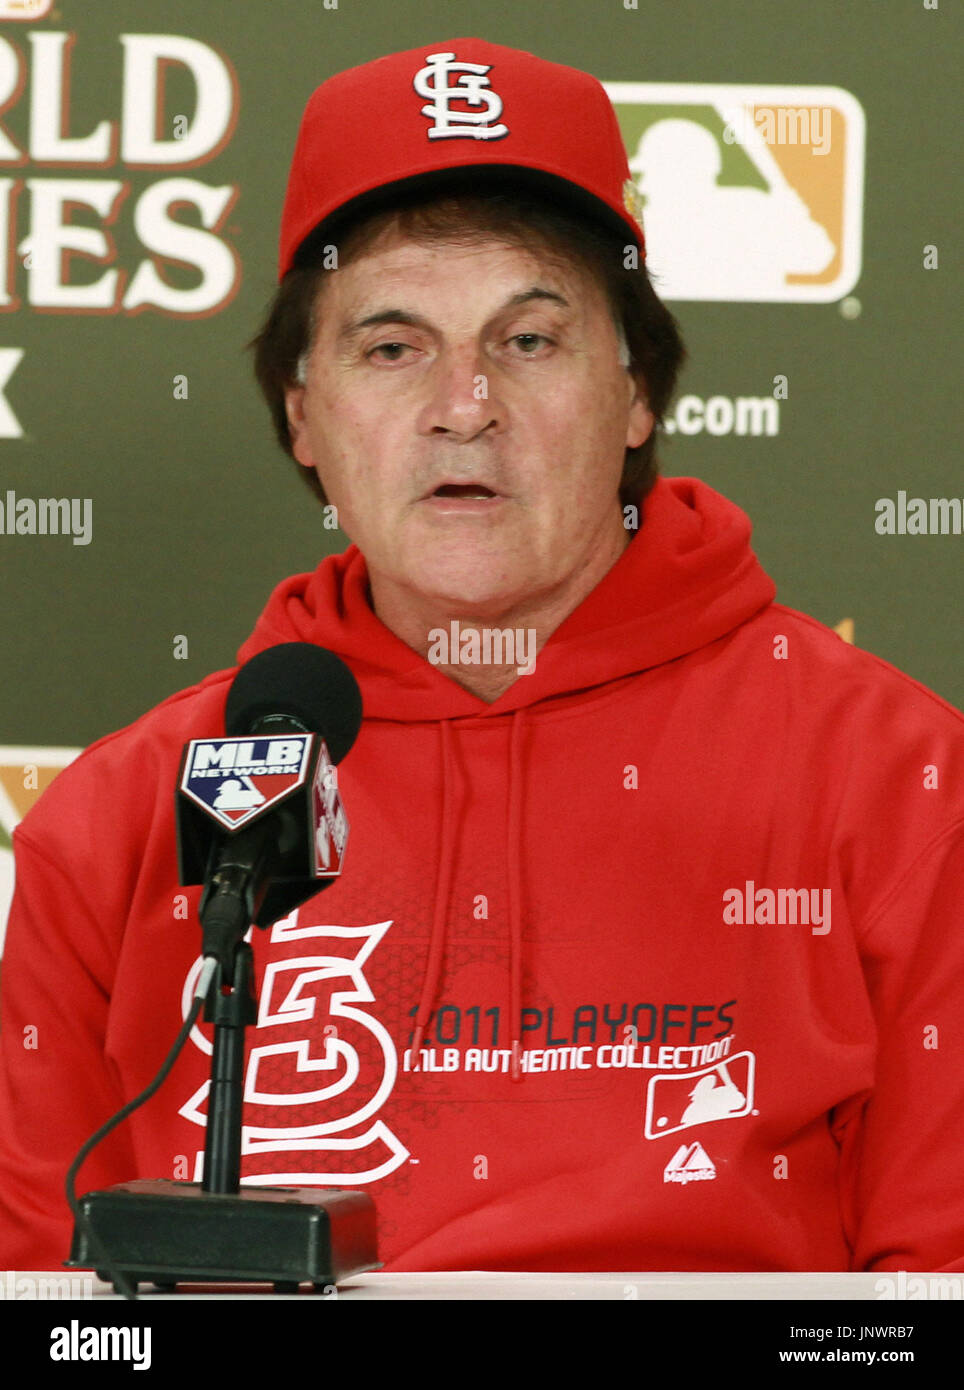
[
  {"x": 641, "y": 419},
  {"x": 298, "y": 425}
]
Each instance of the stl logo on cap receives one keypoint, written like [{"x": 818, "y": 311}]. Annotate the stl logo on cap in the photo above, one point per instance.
[
  {"x": 749, "y": 193},
  {"x": 472, "y": 88}
]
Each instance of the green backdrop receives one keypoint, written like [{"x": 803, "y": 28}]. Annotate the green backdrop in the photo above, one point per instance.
[{"x": 197, "y": 514}]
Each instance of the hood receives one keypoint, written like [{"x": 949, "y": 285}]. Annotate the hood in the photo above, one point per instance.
[{"x": 686, "y": 579}]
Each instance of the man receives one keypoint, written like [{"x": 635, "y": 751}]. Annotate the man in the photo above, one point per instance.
[{"x": 647, "y": 952}]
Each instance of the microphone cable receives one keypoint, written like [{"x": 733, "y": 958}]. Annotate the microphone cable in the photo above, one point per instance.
[{"x": 209, "y": 969}]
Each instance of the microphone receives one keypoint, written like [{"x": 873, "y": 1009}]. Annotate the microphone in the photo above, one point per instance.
[
  {"x": 299, "y": 686},
  {"x": 260, "y": 824},
  {"x": 259, "y": 820}
]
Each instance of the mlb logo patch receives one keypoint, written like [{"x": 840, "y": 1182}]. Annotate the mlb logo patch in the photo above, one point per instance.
[
  {"x": 679, "y": 1100},
  {"x": 747, "y": 193},
  {"x": 236, "y": 779}
]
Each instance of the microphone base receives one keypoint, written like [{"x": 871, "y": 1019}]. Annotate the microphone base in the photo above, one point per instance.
[{"x": 165, "y": 1233}]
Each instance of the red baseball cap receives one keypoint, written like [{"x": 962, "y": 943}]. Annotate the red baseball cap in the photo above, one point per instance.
[{"x": 409, "y": 120}]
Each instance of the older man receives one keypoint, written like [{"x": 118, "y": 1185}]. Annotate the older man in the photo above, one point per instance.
[
  {"x": 467, "y": 412},
  {"x": 644, "y": 955}
]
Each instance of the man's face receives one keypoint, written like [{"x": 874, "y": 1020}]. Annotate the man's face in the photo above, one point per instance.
[{"x": 483, "y": 369}]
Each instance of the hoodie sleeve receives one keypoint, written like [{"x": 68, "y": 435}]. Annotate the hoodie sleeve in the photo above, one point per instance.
[
  {"x": 902, "y": 1151},
  {"x": 56, "y": 1085}
]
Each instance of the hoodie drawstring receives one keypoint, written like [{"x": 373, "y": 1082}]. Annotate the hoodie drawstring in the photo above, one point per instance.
[
  {"x": 513, "y": 854},
  {"x": 443, "y": 891}
]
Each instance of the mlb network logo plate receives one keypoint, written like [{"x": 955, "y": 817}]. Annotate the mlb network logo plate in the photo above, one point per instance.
[
  {"x": 748, "y": 193},
  {"x": 236, "y": 779}
]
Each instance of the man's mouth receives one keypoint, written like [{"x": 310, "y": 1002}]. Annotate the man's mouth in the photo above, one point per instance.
[{"x": 465, "y": 491}]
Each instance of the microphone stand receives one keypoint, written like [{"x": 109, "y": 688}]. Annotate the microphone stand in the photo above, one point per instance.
[
  {"x": 168, "y": 1232},
  {"x": 230, "y": 1010}
]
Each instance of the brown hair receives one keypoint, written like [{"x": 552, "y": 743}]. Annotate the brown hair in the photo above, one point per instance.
[{"x": 467, "y": 214}]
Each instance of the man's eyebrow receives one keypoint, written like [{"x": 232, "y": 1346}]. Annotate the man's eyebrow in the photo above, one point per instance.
[{"x": 356, "y": 326}]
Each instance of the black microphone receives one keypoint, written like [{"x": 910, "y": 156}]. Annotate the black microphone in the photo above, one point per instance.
[
  {"x": 260, "y": 824},
  {"x": 301, "y": 687},
  {"x": 259, "y": 818}
]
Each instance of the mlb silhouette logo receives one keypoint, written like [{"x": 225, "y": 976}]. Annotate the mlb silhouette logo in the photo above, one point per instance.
[
  {"x": 679, "y": 1100},
  {"x": 748, "y": 193}
]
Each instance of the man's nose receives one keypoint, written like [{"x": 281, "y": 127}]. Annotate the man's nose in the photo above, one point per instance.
[{"x": 460, "y": 398}]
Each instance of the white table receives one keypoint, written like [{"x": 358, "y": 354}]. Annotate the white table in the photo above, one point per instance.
[{"x": 488, "y": 1285}]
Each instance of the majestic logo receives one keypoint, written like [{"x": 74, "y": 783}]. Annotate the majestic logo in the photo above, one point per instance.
[
  {"x": 471, "y": 89},
  {"x": 237, "y": 778},
  {"x": 312, "y": 1093},
  {"x": 680, "y": 1100},
  {"x": 749, "y": 193},
  {"x": 690, "y": 1163}
]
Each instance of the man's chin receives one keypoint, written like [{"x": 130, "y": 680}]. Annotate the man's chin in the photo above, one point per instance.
[
  {"x": 469, "y": 588},
  {"x": 470, "y": 601}
]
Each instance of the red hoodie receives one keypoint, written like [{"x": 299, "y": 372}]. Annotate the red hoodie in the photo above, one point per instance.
[{"x": 699, "y": 876}]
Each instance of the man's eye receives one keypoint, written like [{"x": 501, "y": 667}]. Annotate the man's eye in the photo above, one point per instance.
[
  {"x": 528, "y": 344},
  {"x": 386, "y": 347},
  {"x": 530, "y": 338}
]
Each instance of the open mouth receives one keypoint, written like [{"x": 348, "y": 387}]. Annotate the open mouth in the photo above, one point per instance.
[{"x": 464, "y": 491}]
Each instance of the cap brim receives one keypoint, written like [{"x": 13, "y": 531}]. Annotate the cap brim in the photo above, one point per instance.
[{"x": 507, "y": 178}]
